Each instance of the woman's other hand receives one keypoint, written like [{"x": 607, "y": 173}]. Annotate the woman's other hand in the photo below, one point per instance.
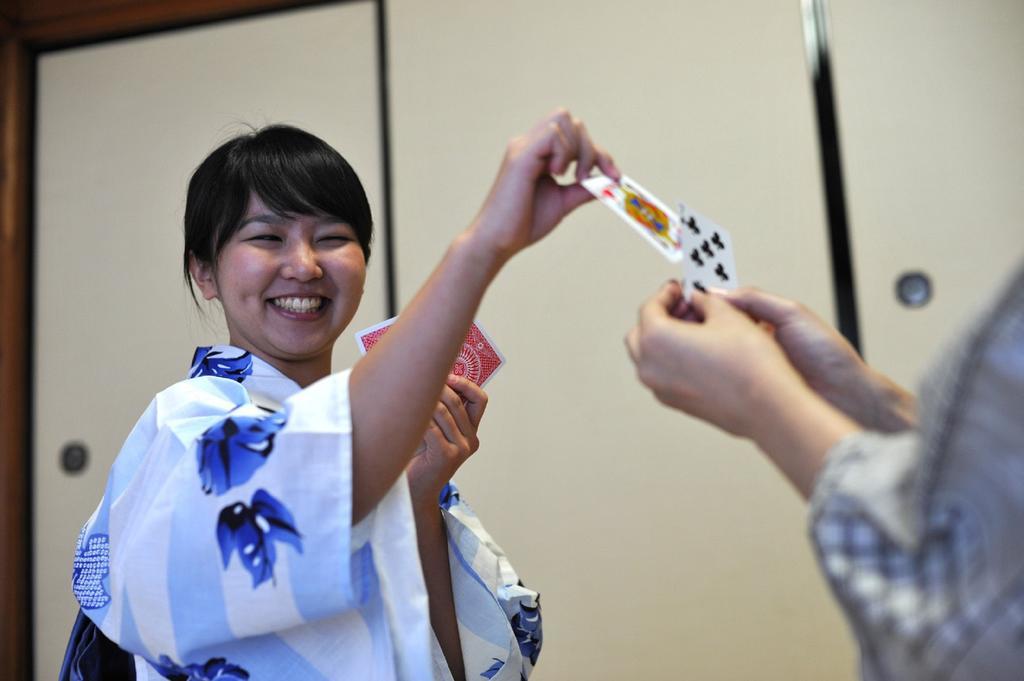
[{"x": 450, "y": 439}]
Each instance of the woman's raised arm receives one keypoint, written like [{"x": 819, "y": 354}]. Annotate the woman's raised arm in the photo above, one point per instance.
[{"x": 394, "y": 389}]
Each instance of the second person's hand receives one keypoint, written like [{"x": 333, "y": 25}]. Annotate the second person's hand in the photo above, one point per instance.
[
  {"x": 828, "y": 363},
  {"x": 710, "y": 360}
]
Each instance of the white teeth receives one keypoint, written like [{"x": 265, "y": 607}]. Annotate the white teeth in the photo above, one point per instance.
[{"x": 299, "y": 304}]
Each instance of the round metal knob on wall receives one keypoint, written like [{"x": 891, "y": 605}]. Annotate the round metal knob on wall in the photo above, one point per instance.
[
  {"x": 74, "y": 457},
  {"x": 914, "y": 289}
]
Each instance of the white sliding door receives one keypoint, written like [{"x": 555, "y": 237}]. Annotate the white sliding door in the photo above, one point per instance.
[
  {"x": 930, "y": 99},
  {"x": 121, "y": 126}
]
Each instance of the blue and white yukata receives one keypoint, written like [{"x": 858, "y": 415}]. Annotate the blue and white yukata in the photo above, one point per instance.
[{"x": 223, "y": 546}]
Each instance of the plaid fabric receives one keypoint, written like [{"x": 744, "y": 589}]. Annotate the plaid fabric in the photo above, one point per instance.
[
  {"x": 919, "y": 533},
  {"x": 918, "y": 597}
]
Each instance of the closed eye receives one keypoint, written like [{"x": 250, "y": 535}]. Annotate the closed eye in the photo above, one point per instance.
[{"x": 264, "y": 237}]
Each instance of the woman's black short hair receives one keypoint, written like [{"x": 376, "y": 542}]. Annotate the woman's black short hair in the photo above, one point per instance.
[{"x": 292, "y": 171}]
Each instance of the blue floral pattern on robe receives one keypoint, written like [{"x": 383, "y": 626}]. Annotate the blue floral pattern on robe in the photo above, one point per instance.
[
  {"x": 493, "y": 669},
  {"x": 449, "y": 495},
  {"x": 209, "y": 362},
  {"x": 91, "y": 566},
  {"x": 526, "y": 625},
  {"x": 215, "y": 669},
  {"x": 231, "y": 451},
  {"x": 258, "y": 507},
  {"x": 252, "y": 531}
]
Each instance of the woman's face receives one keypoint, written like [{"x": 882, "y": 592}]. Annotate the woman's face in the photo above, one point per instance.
[{"x": 289, "y": 286}]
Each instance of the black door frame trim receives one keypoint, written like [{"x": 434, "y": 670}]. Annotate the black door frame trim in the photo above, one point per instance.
[{"x": 816, "y": 34}]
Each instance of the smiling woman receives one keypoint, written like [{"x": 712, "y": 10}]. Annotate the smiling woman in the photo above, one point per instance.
[
  {"x": 265, "y": 504},
  {"x": 278, "y": 229}
]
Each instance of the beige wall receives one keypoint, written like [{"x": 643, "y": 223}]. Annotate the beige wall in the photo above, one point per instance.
[{"x": 663, "y": 549}]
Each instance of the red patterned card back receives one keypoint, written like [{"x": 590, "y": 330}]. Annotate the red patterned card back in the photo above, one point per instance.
[{"x": 478, "y": 358}]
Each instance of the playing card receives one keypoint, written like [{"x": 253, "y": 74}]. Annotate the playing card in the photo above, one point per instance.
[
  {"x": 709, "y": 259},
  {"x": 479, "y": 358},
  {"x": 642, "y": 211},
  {"x": 369, "y": 336}
]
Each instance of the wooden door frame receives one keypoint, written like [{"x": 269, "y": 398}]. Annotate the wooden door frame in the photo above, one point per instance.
[
  {"x": 25, "y": 33},
  {"x": 15, "y": 338}
]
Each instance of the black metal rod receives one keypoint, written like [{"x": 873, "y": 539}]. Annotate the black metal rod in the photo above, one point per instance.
[
  {"x": 390, "y": 278},
  {"x": 816, "y": 33}
]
